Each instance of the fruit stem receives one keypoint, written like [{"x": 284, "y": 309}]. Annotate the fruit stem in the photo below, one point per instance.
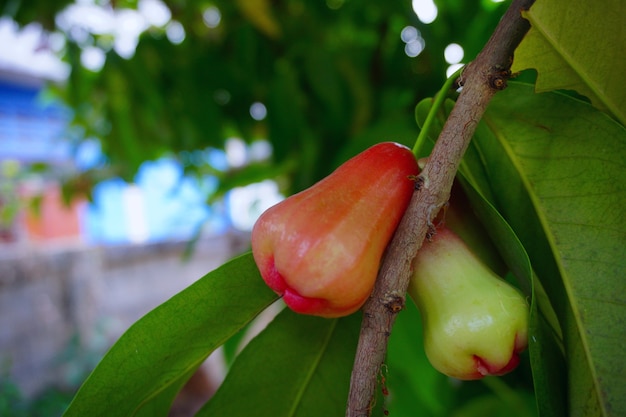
[{"x": 440, "y": 98}]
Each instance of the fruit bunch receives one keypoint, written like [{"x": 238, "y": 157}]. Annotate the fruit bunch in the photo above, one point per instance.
[{"x": 320, "y": 250}]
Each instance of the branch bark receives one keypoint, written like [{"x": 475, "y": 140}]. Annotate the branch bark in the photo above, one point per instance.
[{"x": 481, "y": 79}]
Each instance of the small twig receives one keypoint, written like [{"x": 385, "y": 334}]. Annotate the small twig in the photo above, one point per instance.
[{"x": 481, "y": 79}]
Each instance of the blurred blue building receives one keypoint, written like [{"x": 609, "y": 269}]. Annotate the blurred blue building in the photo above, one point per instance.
[
  {"x": 161, "y": 204},
  {"x": 30, "y": 130}
]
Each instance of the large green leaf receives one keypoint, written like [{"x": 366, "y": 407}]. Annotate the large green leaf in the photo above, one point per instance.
[
  {"x": 149, "y": 364},
  {"x": 556, "y": 168},
  {"x": 578, "y": 45},
  {"x": 298, "y": 366}
]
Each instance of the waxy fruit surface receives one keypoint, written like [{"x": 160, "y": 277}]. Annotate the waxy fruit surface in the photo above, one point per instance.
[
  {"x": 321, "y": 248},
  {"x": 475, "y": 324}
]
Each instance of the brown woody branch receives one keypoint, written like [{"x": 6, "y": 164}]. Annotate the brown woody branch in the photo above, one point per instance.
[{"x": 481, "y": 79}]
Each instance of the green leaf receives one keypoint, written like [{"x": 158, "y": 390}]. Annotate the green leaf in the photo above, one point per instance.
[
  {"x": 556, "y": 168},
  {"x": 496, "y": 406},
  {"x": 548, "y": 366},
  {"x": 149, "y": 364},
  {"x": 298, "y": 366},
  {"x": 578, "y": 45}
]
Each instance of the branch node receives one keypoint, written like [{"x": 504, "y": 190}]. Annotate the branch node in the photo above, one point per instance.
[
  {"x": 431, "y": 232},
  {"x": 418, "y": 180},
  {"x": 394, "y": 302},
  {"x": 498, "y": 77}
]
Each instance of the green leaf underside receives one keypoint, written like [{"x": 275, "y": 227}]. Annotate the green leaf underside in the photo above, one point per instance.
[
  {"x": 147, "y": 366},
  {"x": 298, "y": 366},
  {"x": 556, "y": 169},
  {"x": 491, "y": 405},
  {"x": 578, "y": 45}
]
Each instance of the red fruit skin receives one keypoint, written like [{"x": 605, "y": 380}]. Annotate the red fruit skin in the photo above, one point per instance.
[{"x": 321, "y": 248}]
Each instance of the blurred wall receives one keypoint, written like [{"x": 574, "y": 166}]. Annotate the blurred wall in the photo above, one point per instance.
[{"x": 59, "y": 305}]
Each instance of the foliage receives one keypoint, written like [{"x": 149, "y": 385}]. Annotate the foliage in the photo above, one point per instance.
[
  {"x": 334, "y": 80},
  {"x": 52, "y": 402},
  {"x": 567, "y": 215},
  {"x": 567, "y": 58},
  {"x": 544, "y": 174}
]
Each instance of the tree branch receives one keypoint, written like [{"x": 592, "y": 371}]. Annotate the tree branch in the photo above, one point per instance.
[{"x": 481, "y": 79}]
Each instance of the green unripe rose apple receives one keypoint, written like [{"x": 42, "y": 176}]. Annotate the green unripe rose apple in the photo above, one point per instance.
[{"x": 475, "y": 324}]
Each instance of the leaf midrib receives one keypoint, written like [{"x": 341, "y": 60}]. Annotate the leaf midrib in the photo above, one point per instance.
[{"x": 315, "y": 364}]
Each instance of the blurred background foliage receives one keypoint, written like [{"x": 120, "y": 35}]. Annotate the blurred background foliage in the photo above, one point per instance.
[{"x": 318, "y": 80}]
